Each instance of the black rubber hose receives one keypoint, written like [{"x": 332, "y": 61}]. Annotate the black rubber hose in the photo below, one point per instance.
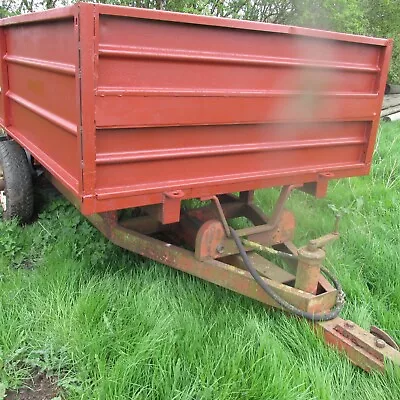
[{"x": 283, "y": 303}]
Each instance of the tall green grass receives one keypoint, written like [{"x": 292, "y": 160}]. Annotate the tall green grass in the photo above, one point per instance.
[{"x": 113, "y": 325}]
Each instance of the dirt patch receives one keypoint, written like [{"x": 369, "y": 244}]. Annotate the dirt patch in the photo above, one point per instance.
[{"x": 40, "y": 387}]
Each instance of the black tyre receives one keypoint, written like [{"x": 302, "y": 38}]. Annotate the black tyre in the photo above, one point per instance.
[{"x": 16, "y": 190}]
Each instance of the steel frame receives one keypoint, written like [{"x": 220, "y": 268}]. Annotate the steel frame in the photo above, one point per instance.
[{"x": 214, "y": 258}]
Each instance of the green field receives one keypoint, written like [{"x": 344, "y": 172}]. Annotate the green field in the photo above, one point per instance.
[{"x": 112, "y": 325}]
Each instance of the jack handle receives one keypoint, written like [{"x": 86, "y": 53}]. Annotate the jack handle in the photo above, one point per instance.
[{"x": 323, "y": 241}]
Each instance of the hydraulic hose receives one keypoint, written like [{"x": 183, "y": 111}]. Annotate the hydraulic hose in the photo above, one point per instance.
[{"x": 333, "y": 313}]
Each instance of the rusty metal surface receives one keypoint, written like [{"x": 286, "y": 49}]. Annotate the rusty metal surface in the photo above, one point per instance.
[
  {"x": 283, "y": 232},
  {"x": 221, "y": 214},
  {"x": 231, "y": 209},
  {"x": 311, "y": 258},
  {"x": 209, "y": 240},
  {"x": 309, "y": 269},
  {"x": 263, "y": 266},
  {"x": 83, "y": 92},
  {"x": 270, "y": 223},
  {"x": 144, "y": 224},
  {"x": 223, "y": 208},
  {"x": 385, "y": 337},
  {"x": 214, "y": 271},
  {"x": 272, "y": 230},
  {"x": 360, "y": 346}
]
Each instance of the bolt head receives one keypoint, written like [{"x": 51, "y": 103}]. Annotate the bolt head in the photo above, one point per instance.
[
  {"x": 380, "y": 343},
  {"x": 349, "y": 324},
  {"x": 220, "y": 249}
]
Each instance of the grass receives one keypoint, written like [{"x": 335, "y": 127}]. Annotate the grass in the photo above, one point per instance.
[{"x": 113, "y": 325}]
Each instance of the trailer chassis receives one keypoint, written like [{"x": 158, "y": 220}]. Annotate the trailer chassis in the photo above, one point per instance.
[{"x": 211, "y": 254}]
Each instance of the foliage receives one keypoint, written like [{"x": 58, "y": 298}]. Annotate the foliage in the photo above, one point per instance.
[
  {"x": 365, "y": 17},
  {"x": 340, "y": 15},
  {"x": 383, "y": 20}
]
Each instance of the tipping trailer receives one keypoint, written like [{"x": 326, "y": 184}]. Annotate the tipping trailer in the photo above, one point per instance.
[{"x": 128, "y": 108}]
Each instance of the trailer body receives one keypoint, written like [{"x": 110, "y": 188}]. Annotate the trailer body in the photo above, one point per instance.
[
  {"x": 124, "y": 106},
  {"x": 128, "y": 108}
]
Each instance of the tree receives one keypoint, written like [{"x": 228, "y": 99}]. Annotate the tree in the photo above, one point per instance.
[
  {"x": 384, "y": 21},
  {"x": 365, "y": 17},
  {"x": 338, "y": 15}
]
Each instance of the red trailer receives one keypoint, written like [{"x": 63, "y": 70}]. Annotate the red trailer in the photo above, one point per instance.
[{"x": 136, "y": 109}]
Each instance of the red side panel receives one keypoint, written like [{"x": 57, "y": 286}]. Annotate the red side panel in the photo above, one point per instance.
[
  {"x": 123, "y": 104},
  {"x": 210, "y": 109},
  {"x": 40, "y": 93}
]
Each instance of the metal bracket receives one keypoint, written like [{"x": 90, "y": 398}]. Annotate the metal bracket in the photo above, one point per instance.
[
  {"x": 168, "y": 212},
  {"x": 220, "y": 213},
  {"x": 362, "y": 347},
  {"x": 319, "y": 187}
]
